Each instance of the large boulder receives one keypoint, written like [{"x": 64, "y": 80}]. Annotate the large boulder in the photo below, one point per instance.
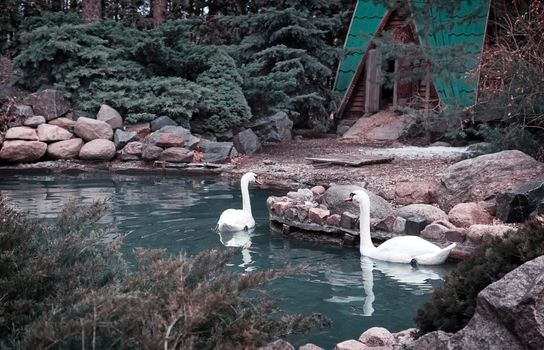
[
  {"x": 509, "y": 313},
  {"x": 191, "y": 141},
  {"x": 99, "y": 149},
  {"x": 177, "y": 155},
  {"x": 427, "y": 211},
  {"x": 132, "y": 151},
  {"x": 122, "y": 138},
  {"x": 110, "y": 116},
  {"x": 50, "y": 103},
  {"x": 22, "y": 151},
  {"x": 151, "y": 152},
  {"x": 52, "y": 133},
  {"x": 22, "y": 111},
  {"x": 415, "y": 192},
  {"x": 215, "y": 152},
  {"x": 90, "y": 129},
  {"x": 68, "y": 149},
  {"x": 274, "y": 128},
  {"x": 160, "y": 122},
  {"x": 517, "y": 203},
  {"x": 335, "y": 195},
  {"x": 467, "y": 214},
  {"x": 377, "y": 336},
  {"x": 483, "y": 177},
  {"x": 21, "y": 133},
  {"x": 477, "y": 234},
  {"x": 168, "y": 139},
  {"x": 246, "y": 142}
]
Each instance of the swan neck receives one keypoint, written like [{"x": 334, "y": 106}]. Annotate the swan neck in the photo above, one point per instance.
[
  {"x": 364, "y": 226},
  {"x": 246, "y": 204}
]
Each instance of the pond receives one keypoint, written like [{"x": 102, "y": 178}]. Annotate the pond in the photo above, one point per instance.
[{"x": 179, "y": 214}]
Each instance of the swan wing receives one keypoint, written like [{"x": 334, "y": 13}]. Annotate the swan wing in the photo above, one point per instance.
[
  {"x": 235, "y": 220},
  {"x": 409, "y": 245}
]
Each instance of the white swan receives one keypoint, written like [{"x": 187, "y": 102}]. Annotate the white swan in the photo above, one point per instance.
[
  {"x": 406, "y": 249},
  {"x": 240, "y": 239},
  {"x": 233, "y": 220}
]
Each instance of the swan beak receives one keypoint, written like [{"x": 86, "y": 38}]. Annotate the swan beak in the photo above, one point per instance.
[
  {"x": 258, "y": 182},
  {"x": 348, "y": 199}
]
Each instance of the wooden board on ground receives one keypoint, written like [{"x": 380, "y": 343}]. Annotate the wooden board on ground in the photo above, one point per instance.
[
  {"x": 350, "y": 162},
  {"x": 164, "y": 164}
]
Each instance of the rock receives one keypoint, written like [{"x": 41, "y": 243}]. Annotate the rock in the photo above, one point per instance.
[
  {"x": 429, "y": 212},
  {"x": 400, "y": 225},
  {"x": 34, "y": 121},
  {"x": 415, "y": 192},
  {"x": 334, "y": 199},
  {"x": 436, "y": 231},
  {"x": 386, "y": 224},
  {"x": 406, "y": 336},
  {"x": 167, "y": 139},
  {"x": 350, "y": 345},
  {"x": 377, "y": 336},
  {"x": 467, "y": 214},
  {"x": 517, "y": 204},
  {"x": 246, "y": 142},
  {"x": 275, "y": 128},
  {"x": 458, "y": 235},
  {"x": 52, "y": 133},
  {"x": 8, "y": 91},
  {"x": 22, "y": 151},
  {"x": 150, "y": 152},
  {"x": 122, "y": 138},
  {"x": 191, "y": 141},
  {"x": 483, "y": 177},
  {"x": 215, "y": 152},
  {"x": 310, "y": 346},
  {"x": 302, "y": 194},
  {"x": 508, "y": 313},
  {"x": 348, "y": 220},
  {"x": 160, "y": 122},
  {"x": 478, "y": 234},
  {"x": 68, "y": 149},
  {"x": 437, "y": 340},
  {"x": 1, "y": 138},
  {"x": 80, "y": 114},
  {"x": 111, "y": 116},
  {"x": 318, "y": 215},
  {"x": 539, "y": 210},
  {"x": 89, "y": 129},
  {"x": 414, "y": 225},
  {"x": 22, "y": 111},
  {"x": 142, "y": 129},
  {"x": 440, "y": 144},
  {"x": 318, "y": 190},
  {"x": 334, "y": 220},
  {"x": 132, "y": 151},
  {"x": 177, "y": 155},
  {"x": 99, "y": 149},
  {"x": 21, "y": 133},
  {"x": 50, "y": 103},
  {"x": 279, "y": 344},
  {"x": 65, "y": 123},
  {"x": 224, "y": 136},
  {"x": 279, "y": 208}
]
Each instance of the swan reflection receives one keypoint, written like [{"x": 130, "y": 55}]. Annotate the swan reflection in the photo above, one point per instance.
[
  {"x": 239, "y": 239},
  {"x": 416, "y": 279}
]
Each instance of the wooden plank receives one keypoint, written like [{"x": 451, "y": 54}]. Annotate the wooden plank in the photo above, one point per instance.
[
  {"x": 351, "y": 162},
  {"x": 373, "y": 88}
]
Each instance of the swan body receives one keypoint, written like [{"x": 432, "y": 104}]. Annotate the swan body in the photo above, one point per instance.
[
  {"x": 406, "y": 249},
  {"x": 234, "y": 220}
]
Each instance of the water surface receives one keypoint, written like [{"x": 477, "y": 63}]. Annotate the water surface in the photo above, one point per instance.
[{"x": 179, "y": 214}]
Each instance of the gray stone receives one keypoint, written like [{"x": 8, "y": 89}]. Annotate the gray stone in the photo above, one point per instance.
[
  {"x": 302, "y": 194},
  {"x": 158, "y": 123},
  {"x": 22, "y": 111},
  {"x": 431, "y": 341},
  {"x": 91, "y": 129},
  {"x": 310, "y": 346},
  {"x": 483, "y": 177},
  {"x": 150, "y": 152},
  {"x": 99, "y": 149},
  {"x": 8, "y": 91},
  {"x": 215, "y": 152},
  {"x": 246, "y": 142},
  {"x": 377, "y": 336},
  {"x": 122, "y": 138},
  {"x": 34, "y": 121},
  {"x": 517, "y": 204},
  {"x": 350, "y": 345},
  {"x": 177, "y": 155},
  {"x": 334, "y": 199},
  {"x": 429, "y": 212},
  {"x": 50, "y": 103},
  {"x": 22, "y": 151},
  {"x": 414, "y": 225},
  {"x": 68, "y": 149},
  {"x": 348, "y": 220},
  {"x": 21, "y": 133},
  {"x": 111, "y": 116},
  {"x": 224, "y": 136},
  {"x": 274, "y": 128}
]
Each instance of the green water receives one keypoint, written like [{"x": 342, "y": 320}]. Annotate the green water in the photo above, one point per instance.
[{"x": 180, "y": 213}]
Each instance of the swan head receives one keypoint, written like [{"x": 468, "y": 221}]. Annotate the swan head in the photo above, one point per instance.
[
  {"x": 358, "y": 197},
  {"x": 251, "y": 177}
]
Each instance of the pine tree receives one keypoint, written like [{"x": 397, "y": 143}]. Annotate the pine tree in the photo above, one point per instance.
[{"x": 92, "y": 10}]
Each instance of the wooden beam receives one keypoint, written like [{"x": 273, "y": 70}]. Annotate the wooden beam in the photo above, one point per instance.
[{"x": 351, "y": 162}]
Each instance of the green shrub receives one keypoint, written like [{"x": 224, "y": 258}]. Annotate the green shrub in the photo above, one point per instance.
[
  {"x": 66, "y": 285},
  {"x": 453, "y": 305}
]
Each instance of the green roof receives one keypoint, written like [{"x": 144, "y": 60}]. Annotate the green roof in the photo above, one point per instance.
[{"x": 463, "y": 29}]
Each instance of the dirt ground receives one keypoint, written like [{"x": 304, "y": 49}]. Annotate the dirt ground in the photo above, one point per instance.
[{"x": 284, "y": 166}]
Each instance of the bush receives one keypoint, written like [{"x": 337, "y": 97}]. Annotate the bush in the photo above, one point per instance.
[
  {"x": 453, "y": 305},
  {"x": 66, "y": 285}
]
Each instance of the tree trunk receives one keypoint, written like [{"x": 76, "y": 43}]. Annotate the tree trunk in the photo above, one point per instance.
[
  {"x": 159, "y": 12},
  {"x": 92, "y": 10}
]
